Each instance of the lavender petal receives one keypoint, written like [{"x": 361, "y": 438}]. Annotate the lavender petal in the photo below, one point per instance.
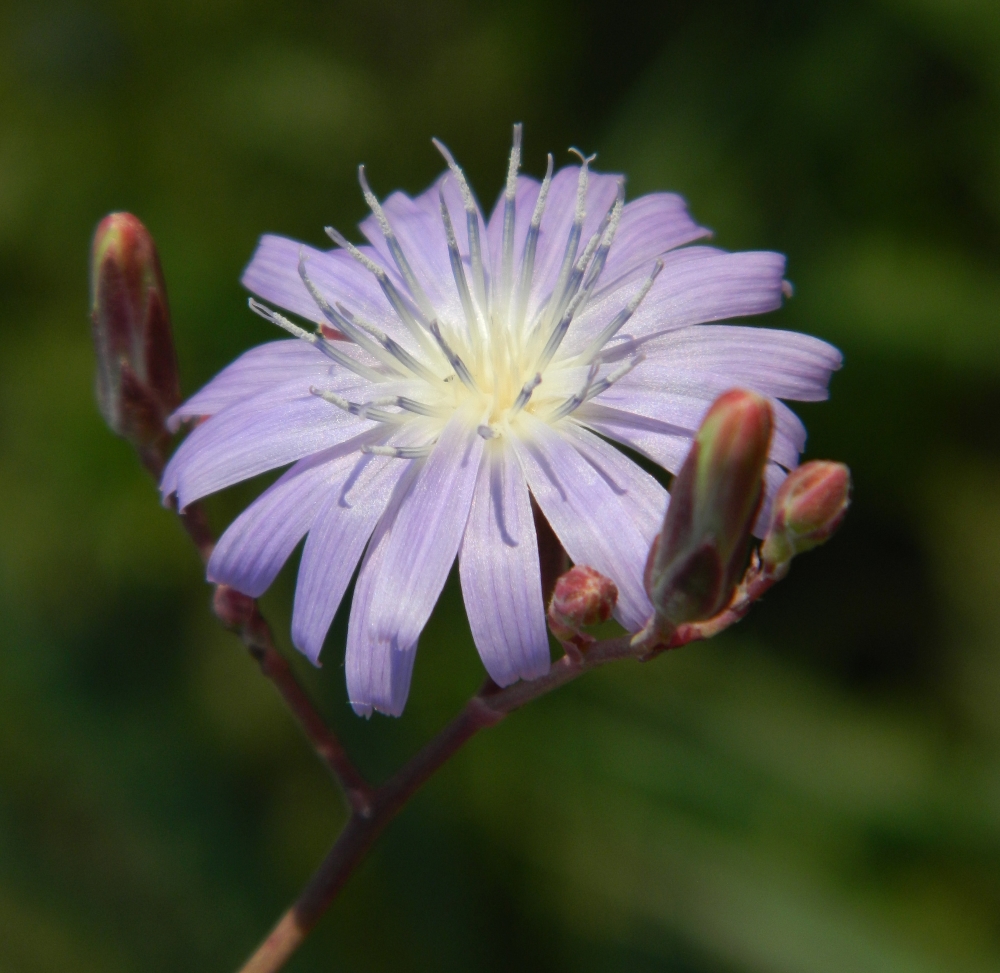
[
  {"x": 499, "y": 570},
  {"x": 585, "y": 514}
]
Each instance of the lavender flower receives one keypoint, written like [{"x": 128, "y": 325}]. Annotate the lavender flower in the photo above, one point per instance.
[{"x": 484, "y": 362}]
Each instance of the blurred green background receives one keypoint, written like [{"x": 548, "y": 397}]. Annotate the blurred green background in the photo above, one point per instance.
[{"x": 817, "y": 791}]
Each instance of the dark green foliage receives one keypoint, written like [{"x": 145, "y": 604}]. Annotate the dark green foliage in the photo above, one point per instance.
[{"x": 817, "y": 792}]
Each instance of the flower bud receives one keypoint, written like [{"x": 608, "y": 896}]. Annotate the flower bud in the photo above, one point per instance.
[
  {"x": 807, "y": 510},
  {"x": 137, "y": 382},
  {"x": 699, "y": 557},
  {"x": 582, "y": 596}
]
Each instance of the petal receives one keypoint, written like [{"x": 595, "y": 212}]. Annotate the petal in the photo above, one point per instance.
[
  {"x": 656, "y": 391},
  {"x": 641, "y": 497},
  {"x": 427, "y": 532},
  {"x": 499, "y": 569},
  {"x": 255, "y": 371},
  {"x": 696, "y": 285},
  {"x": 659, "y": 441},
  {"x": 649, "y": 227},
  {"x": 378, "y": 670},
  {"x": 585, "y": 514},
  {"x": 783, "y": 364},
  {"x": 357, "y": 497},
  {"x": 560, "y": 208},
  {"x": 668, "y": 447},
  {"x": 252, "y": 551},
  {"x": 387, "y": 607},
  {"x": 273, "y": 428}
]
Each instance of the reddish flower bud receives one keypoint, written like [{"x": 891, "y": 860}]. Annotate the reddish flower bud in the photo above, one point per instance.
[
  {"x": 807, "y": 510},
  {"x": 699, "y": 557},
  {"x": 582, "y": 596},
  {"x": 137, "y": 383}
]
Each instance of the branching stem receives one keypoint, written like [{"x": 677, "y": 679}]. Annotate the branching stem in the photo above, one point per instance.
[{"x": 240, "y": 613}]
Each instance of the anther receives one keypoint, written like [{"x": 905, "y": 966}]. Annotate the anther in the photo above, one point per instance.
[
  {"x": 620, "y": 372},
  {"x": 530, "y": 243},
  {"x": 509, "y": 212},
  {"x": 575, "y": 401},
  {"x": 328, "y": 348},
  {"x": 472, "y": 218},
  {"x": 609, "y": 228},
  {"x": 619, "y": 320},
  {"x": 394, "y": 248},
  {"x": 419, "y": 408},
  {"x": 461, "y": 369},
  {"x": 559, "y": 332},
  {"x": 342, "y": 321},
  {"x": 400, "y": 452},
  {"x": 363, "y": 410},
  {"x": 487, "y": 432},
  {"x": 395, "y": 298},
  {"x": 457, "y": 270},
  {"x": 393, "y": 347},
  {"x": 573, "y": 242},
  {"x": 525, "y": 394}
]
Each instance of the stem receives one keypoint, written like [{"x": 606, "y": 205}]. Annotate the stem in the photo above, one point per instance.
[
  {"x": 241, "y": 614},
  {"x": 488, "y": 707}
]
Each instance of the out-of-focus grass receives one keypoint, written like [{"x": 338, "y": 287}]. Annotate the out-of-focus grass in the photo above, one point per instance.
[{"x": 819, "y": 791}]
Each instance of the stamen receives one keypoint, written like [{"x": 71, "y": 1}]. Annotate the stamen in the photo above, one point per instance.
[
  {"x": 507, "y": 258},
  {"x": 457, "y": 270},
  {"x": 342, "y": 322},
  {"x": 419, "y": 408},
  {"x": 620, "y": 372},
  {"x": 573, "y": 243},
  {"x": 530, "y": 243},
  {"x": 574, "y": 279},
  {"x": 609, "y": 227},
  {"x": 487, "y": 432},
  {"x": 591, "y": 389},
  {"x": 558, "y": 333},
  {"x": 327, "y": 347},
  {"x": 393, "y": 347},
  {"x": 461, "y": 369},
  {"x": 363, "y": 410},
  {"x": 394, "y": 248},
  {"x": 575, "y": 401},
  {"x": 618, "y": 322},
  {"x": 395, "y": 298},
  {"x": 525, "y": 394},
  {"x": 472, "y": 218},
  {"x": 400, "y": 452}
]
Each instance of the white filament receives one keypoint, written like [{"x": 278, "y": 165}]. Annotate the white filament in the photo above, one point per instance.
[{"x": 489, "y": 356}]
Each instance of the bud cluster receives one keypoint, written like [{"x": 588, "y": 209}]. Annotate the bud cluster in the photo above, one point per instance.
[{"x": 698, "y": 565}]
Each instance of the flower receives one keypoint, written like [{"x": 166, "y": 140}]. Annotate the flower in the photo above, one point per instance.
[{"x": 462, "y": 366}]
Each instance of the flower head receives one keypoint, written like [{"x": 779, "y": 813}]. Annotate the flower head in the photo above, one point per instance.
[{"x": 460, "y": 367}]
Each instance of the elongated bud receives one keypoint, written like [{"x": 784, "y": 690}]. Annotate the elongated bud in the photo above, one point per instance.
[
  {"x": 582, "y": 596},
  {"x": 137, "y": 383},
  {"x": 808, "y": 508},
  {"x": 699, "y": 556}
]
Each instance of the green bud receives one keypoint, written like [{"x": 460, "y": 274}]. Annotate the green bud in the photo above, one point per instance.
[
  {"x": 699, "y": 557},
  {"x": 137, "y": 382},
  {"x": 807, "y": 510}
]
